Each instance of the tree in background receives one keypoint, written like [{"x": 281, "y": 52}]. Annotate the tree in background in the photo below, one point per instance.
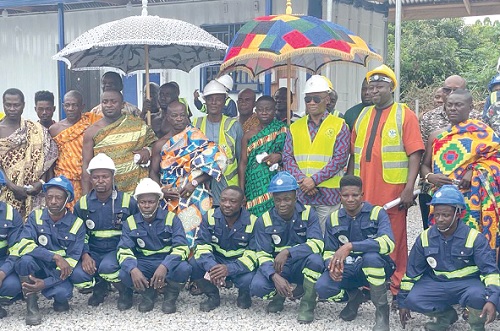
[{"x": 432, "y": 50}]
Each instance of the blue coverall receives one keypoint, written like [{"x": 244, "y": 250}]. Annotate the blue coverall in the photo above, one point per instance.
[
  {"x": 146, "y": 245},
  {"x": 233, "y": 247},
  {"x": 303, "y": 239},
  {"x": 40, "y": 240},
  {"x": 368, "y": 263},
  {"x": 11, "y": 226},
  {"x": 445, "y": 271},
  {"x": 103, "y": 234}
]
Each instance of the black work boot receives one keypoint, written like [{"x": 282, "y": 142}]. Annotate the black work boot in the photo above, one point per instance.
[
  {"x": 3, "y": 312},
  {"x": 307, "y": 303},
  {"x": 60, "y": 306},
  {"x": 170, "y": 296},
  {"x": 148, "y": 300},
  {"x": 276, "y": 305},
  {"x": 33, "y": 316},
  {"x": 99, "y": 293},
  {"x": 379, "y": 299},
  {"x": 244, "y": 300},
  {"x": 350, "y": 311},
  {"x": 212, "y": 293},
  {"x": 443, "y": 319},
  {"x": 125, "y": 297}
]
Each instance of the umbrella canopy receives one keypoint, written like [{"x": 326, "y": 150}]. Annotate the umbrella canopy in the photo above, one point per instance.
[
  {"x": 173, "y": 44},
  {"x": 270, "y": 42}
]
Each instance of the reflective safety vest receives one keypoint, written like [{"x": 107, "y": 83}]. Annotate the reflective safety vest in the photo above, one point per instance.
[
  {"x": 312, "y": 156},
  {"x": 226, "y": 143},
  {"x": 204, "y": 107},
  {"x": 395, "y": 162}
]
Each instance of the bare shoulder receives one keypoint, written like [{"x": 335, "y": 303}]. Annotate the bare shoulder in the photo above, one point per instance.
[{"x": 92, "y": 130}]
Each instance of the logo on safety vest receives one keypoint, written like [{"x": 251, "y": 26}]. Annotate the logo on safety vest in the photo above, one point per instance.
[
  {"x": 392, "y": 133},
  {"x": 343, "y": 239},
  {"x": 330, "y": 133},
  {"x": 276, "y": 239},
  {"x": 141, "y": 243},
  {"x": 43, "y": 240},
  {"x": 90, "y": 224},
  {"x": 432, "y": 262}
]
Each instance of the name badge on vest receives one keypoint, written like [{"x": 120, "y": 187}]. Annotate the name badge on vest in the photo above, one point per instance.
[
  {"x": 43, "y": 240},
  {"x": 141, "y": 243},
  {"x": 90, "y": 224},
  {"x": 392, "y": 133},
  {"x": 330, "y": 133},
  {"x": 276, "y": 239},
  {"x": 432, "y": 262}
]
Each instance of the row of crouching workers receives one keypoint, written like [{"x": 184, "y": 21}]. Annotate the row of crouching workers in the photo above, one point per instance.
[{"x": 134, "y": 244}]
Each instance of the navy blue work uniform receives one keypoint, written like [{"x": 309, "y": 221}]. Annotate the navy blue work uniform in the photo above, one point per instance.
[
  {"x": 301, "y": 236},
  {"x": 368, "y": 263},
  {"x": 234, "y": 247},
  {"x": 146, "y": 245},
  {"x": 104, "y": 229},
  {"x": 11, "y": 226},
  {"x": 445, "y": 271},
  {"x": 40, "y": 240}
]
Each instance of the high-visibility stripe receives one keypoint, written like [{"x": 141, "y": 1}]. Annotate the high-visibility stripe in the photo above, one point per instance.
[
  {"x": 386, "y": 244},
  {"x": 460, "y": 273},
  {"x": 38, "y": 216},
  {"x": 169, "y": 220},
  {"x": 123, "y": 254},
  {"x": 202, "y": 249},
  {"x": 210, "y": 217},
  {"x": 249, "y": 227},
  {"x": 334, "y": 218},
  {"x": 9, "y": 213},
  {"x": 328, "y": 255},
  {"x": 281, "y": 248},
  {"x": 338, "y": 297},
  {"x": 131, "y": 223},
  {"x": 113, "y": 278},
  {"x": 310, "y": 274},
  {"x": 267, "y": 219},
  {"x": 182, "y": 251},
  {"x": 71, "y": 262},
  {"x": 374, "y": 213},
  {"x": 76, "y": 226},
  {"x": 375, "y": 276},
  {"x": 316, "y": 245},
  {"x": 25, "y": 246},
  {"x": 83, "y": 203},
  {"x": 147, "y": 252},
  {"x": 424, "y": 238},
  {"x": 249, "y": 260},
  {"x": 306, "y": 212},
  {"x": 491, "y": 279},
  {"x": 3, "y": 244},
  {"x": 105, "y": 233},
  {"x": 85, "y": 285},
  {"x": 471, "y": 237},
  {"x": 228, "y": 253},
  {"x": 126, "y": 200},
  {"x": 263, "y": 257}
]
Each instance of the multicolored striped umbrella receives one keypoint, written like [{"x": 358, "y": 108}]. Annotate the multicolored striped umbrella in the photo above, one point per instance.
[{"x": 270, "y": 42}]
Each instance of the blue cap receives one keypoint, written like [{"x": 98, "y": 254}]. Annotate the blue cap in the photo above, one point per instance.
[
  {"x": 494, "y": 81},
  {"x": 63, "y": 183},
  {"x": 448, "y": 195},
  {"x": 283, "y": 182}
]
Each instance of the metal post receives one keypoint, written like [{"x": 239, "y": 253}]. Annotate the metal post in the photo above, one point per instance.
[
  {"x": 61, "y": 64},
  {"x": 397, "y": 50},
  {"x": 267, "y": 78},
  {"x": 329, "y": 18}
]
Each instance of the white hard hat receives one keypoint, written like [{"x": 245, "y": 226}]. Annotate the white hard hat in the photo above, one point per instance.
[
  {"x": 147, "y": 185},
  {"x": 227, "y": 81},
  {"x": 315, "y": 84},
  {"x": 214, "y": 87},
  {"x": 101, "y": 161}
]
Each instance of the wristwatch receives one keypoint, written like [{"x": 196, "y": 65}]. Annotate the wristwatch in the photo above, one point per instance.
[{"x": 194, "y": 182}]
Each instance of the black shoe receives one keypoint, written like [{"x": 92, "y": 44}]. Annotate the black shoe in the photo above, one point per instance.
[
  {"x": 244, "y": 301},
  {"x": 3, "y": 312},
  {"x": 212, "y": 293},
  {"x": 350, "y": 311},
  {"x": 61, "y": 306},
  {"x": 170, "y": 295},
  {"x": 99, "y": 293},
  {"x": 125, "y": 296},
  {"x": 33, "y": 316},
  {"x": 148, "y": 300}
]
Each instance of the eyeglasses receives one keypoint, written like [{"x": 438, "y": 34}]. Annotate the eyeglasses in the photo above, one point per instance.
[
  {"x": 448, "y": 90},
  {"x": 315, "y": 98}
]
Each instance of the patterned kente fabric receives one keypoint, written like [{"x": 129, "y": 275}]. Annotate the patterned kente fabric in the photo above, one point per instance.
[
  {"x": 69, "y": 143},
  {"x": 472, "y": 145},
  {"x": 25, "y": 156},
  {"x": 270, "y": 139},
  {"x": 185, "y": 157},
  {"x": 119, "y": 140}
]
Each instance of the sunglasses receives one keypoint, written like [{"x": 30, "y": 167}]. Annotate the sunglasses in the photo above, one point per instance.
[{"x": 315, "y": 98}]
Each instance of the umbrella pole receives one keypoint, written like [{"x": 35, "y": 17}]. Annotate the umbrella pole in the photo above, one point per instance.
[
  {"x": 148, "y": 93},
  {"x": 288, "y": 89}
]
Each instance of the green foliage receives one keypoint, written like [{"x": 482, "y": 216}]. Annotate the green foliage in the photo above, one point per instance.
[{"x": 432, "y": 50}]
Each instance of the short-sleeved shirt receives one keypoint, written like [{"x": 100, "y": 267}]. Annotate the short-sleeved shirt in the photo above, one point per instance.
[{"x": 376, "y": 190}]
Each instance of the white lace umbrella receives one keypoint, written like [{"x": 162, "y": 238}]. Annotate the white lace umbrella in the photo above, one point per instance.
[{"x": 172, "y": 44}]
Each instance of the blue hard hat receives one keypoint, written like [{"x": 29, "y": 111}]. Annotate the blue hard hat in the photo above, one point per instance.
[
  {"x": 283, "y": 182},
  {"x": 63, "y": 183},
  {"x": 448, "y": 195},
  {"x": 494, "y": 81},
  {"x": 2, "y": 179}
]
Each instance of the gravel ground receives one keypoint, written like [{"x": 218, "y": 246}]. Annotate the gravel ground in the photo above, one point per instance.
[{"x": 227, "y": 317}]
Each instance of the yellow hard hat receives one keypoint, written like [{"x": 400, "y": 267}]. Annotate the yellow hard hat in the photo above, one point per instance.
[
  {"x": 379, "y": 73},
  {"x": 329, "y": 82}
]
